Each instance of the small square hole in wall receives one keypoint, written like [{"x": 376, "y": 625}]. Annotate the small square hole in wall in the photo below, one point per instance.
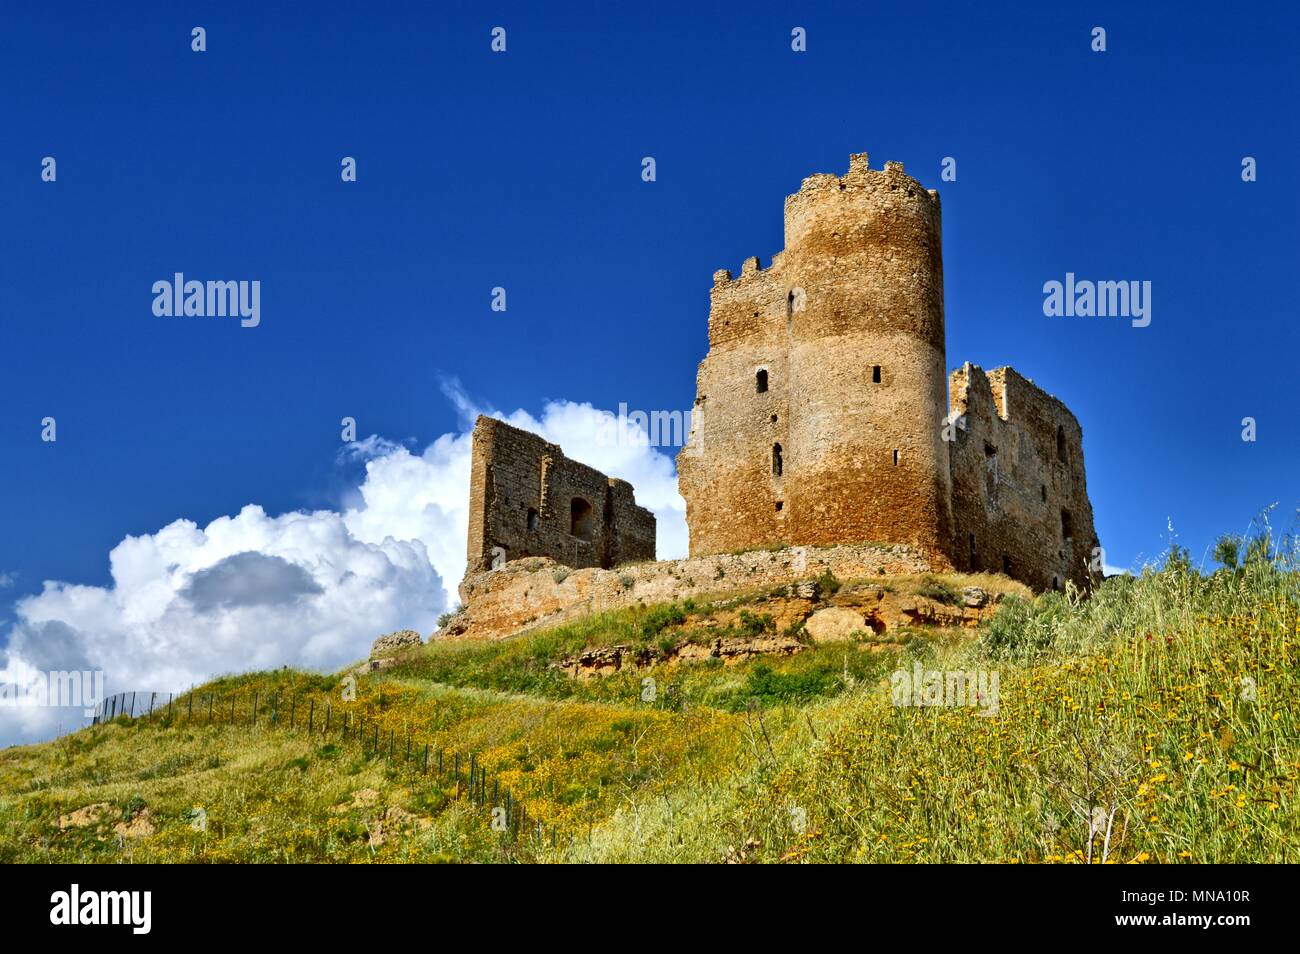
[{"x": 779, "y": 505}]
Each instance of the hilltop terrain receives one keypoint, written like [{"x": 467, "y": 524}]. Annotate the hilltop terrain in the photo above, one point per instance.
[{"x": 1155, "y": 720}]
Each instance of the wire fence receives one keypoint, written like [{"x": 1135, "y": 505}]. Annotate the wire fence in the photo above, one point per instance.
[{"x": 461, "y": 773}]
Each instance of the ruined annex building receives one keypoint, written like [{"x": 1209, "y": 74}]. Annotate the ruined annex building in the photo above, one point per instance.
[
  {"x": 824, "y": 414},
  {"x": 527, "y": 499},
  {"x": 824, "y": 417}
]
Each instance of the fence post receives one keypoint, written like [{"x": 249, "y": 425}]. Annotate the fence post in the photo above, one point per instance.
[
  {"x": 132, "y": 705},
  {"x": 209, "y": 708},
  {"x": 152, "y": 696},
  {"x": 311, "y": 716},
  {"x": 171, "y": 696},
  {"x": 232, "y": 709},
  {"x": 327, "y": 718},
  {"x": 425, "y": 769},
  {"x": 254, "y": 707},
  {"x": 189, "y": 715}
]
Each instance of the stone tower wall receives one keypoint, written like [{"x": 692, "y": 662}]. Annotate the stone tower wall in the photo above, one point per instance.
[
  {"x": 1020, "y": 501},
  {"x": 859, "y": 287}
]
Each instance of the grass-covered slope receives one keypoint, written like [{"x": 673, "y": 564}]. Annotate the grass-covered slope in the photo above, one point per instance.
[{"x": 1156, "y": 720}]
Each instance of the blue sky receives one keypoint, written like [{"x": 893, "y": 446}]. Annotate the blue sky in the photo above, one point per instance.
[{"x": 522, "y": 170}]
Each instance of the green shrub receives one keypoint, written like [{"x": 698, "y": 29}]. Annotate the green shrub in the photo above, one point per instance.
[
  {"x": 827, "y": 583},
  {"x": 938, "y": 590},
  {"x": 659, "y": 618}
]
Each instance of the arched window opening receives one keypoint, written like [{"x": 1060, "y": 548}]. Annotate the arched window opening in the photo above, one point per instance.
[
  {"x": 580, "y": 518},
  {"x": 760, "y": 381},
  {"x": 532, "y": 519}
]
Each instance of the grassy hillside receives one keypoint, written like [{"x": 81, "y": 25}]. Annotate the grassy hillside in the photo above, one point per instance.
[{"x": 1156, "y": 720}]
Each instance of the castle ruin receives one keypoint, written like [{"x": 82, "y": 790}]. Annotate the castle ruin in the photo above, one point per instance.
[
  {"x": 824, "y": 417},
  {"x": 824, "y": 413},
  {"x": 527, "y": 499}
]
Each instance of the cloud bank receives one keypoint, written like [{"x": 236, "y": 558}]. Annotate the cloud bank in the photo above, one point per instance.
[{"x": 255, "y": 591}]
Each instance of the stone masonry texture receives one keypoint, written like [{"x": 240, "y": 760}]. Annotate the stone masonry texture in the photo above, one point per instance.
[
  {"x": 527, "y": 499},
  {"x": 822, "y": 407}
]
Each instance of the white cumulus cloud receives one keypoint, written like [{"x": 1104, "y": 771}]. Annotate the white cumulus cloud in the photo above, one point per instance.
[{"x": 256, "y": 591}]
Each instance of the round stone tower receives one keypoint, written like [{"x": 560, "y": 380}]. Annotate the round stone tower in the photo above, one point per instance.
[
  {"x": 821, "y": 402},
  {"x": 868, "y": 378}
]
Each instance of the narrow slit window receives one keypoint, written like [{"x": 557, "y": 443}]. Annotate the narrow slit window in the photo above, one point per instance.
[
  {"x": 895, "y": 457},
  {"x": 778, "y": 464},
  {"x": 1043, "y": 491},
  {"x": 532, "y": 519},
  {"x": 875, "y": 374},
  {"x": 974, "y": 556},
  {"x": 779, "y": 504},
  {"x": 1067, "y": 525},
  {"x": 760, "y": 381},
  {"x": 1006, "y": 565}
]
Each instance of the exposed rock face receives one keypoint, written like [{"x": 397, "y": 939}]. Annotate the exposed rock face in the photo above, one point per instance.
[
  {"x": 822, "y": 412},
  {"x": 527, "y": 593},
  {"x": 835, "y": 623},
  {"x": 864, "y": 617},
  {"x": 394, "y": 643},
  {"x": 90, "y": 815}
]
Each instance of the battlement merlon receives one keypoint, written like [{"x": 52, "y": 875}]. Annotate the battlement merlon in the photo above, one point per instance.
[{"x": 860, "y": 177}]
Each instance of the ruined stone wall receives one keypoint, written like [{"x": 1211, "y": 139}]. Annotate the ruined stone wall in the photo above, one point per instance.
[
  {"x": 847, "y": 323},
  {"x": 1020, "y": 501},
  {"x": 527, "y": 498}
]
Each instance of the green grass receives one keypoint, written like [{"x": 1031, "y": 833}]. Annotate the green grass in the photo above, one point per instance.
[{"x": 1167, "y": 701}]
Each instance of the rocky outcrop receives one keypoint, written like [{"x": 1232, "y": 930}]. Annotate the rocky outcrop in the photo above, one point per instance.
[
  {"x": 526, "y": 593},
  {"x": 387, "y": 647}
]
